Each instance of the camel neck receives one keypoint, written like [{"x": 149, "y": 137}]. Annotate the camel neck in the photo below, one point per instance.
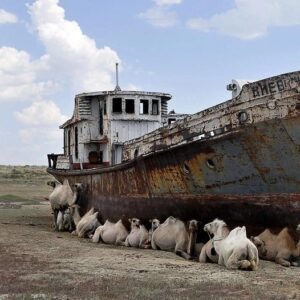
[{"x": 192, "y": 242}]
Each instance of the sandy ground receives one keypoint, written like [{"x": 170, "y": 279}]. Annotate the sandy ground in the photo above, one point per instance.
[{"x": 37, "y": 263}]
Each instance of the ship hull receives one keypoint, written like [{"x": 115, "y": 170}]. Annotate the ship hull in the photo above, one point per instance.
[{"x": 248, "y": 176}]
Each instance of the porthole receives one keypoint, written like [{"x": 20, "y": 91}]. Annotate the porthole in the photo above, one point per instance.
[
  {"x": 136, "y": 153},
  {"x": 243, "y": 117},
  {"x": 272, "y": 104},
  {"x": 186, "y": 169},
  {"x": 210, "y": 163}
]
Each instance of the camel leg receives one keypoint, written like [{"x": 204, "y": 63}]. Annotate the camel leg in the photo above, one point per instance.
[
  {"x": 232, "y": 262},
  {"x": 55, "y": 213},
  {"x": 153, "y": 245},
  {"x": 183, "y": 254},
  {"x": 126, "y": 243},
  {"x": 221, "y": 261},
  {"x": 119, "y": 242},
  {"x": 97, "y": 234},
  {"x": 282, "y": 261},
  {"x": 202, "y": 256}
]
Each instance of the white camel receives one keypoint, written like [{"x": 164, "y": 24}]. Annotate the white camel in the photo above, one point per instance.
[
  {"x": 111, "y": 233},
  {"x": 87, "y": 224},
  {"x": 138, "y": 236},
  {"x": 62, "y": 197},
  {"x": 172, "y": 235},
  {"x": 208, "y": 252},
  {"x": 235, "y": 251}
]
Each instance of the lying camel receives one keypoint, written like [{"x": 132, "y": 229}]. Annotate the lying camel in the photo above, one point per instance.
[
  {"x": 279, "y": 248},
  {"x": 208, "y": 252},
  {"x": 235, "y": 251},
  {"x": 173, "y": 236},
  {"x": 138, "y": 236},
  {"x": 296, "y": 259},
  {"x": 88, "y": 224},
  {"x": 62, "y": 197},
  {"x": 111, "y": 233}
]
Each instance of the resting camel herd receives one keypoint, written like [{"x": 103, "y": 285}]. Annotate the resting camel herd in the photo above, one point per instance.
[{"x": 229, "y": 248}]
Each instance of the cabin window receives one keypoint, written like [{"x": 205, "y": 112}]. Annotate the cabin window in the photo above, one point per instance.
[
  {"x": 100, "y": 157},
  {"x": 144, "y": 107},
  {"x": 69, "y": 142},
  {"x": 155, "y": 110},
  {"x": 101, "y": 112},
  {"x": 76, "y": 142},
  {"x": 104, "y": 107},
  {"x": 117, "y": 105},
  {"x": 129, "y": 106},
  {"x": 171, "y": 121}
]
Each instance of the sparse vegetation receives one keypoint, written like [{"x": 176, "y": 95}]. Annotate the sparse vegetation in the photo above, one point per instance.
[{"x": 37, "y": 263}]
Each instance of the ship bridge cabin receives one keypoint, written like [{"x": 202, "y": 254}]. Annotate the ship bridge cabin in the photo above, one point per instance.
[{"x": 103, "y": 121}]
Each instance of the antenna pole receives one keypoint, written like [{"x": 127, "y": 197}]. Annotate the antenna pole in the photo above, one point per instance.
[{"x": 117, "y": 78}]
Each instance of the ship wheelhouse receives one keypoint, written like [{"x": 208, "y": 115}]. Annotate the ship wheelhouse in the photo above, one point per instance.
[{"x": 103, "y": 121}]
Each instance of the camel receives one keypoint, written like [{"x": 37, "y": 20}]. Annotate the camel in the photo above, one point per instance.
[
  {"x": 296, "y": 259},
  {"x": 208, "y": 252},
  {"x": 279, "y": 248},
  {"x": 62, "y": 197},
  {"x": 235, "y": 251},
  {"x": 111, "y": 233},
  {"x": 87, "y": 224},
  {"x": 138, "y": 236},
  {"x": 173, "y": 236}
]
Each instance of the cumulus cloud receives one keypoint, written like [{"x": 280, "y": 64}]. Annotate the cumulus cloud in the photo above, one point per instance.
[
  {"x": 70, "y": 51},
  {"x": 71, "y": 62},
  {"x": 41, "y": 113},
  {"x": 19, "y": 76},
  {"x": 7, "y": 17},
  {"x": 160, "y": 15},
  {"x": 250, "y": 19}
]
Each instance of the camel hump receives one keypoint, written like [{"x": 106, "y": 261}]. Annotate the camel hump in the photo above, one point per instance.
[{"x": 285, "y": 230}]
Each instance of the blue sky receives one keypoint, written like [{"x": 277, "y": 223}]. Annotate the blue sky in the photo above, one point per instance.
[{"x": 51, "y": 50}]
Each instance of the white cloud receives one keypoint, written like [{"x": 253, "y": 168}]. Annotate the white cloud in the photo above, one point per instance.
[
  {"x": 41, "y": 113},
  {"x": 167, "y": 2},
  {"x": 250, "y": 19},
  {"x": 72, "y": 53},
  {"x": 19, "y": 76},
  {"x": 71, "y": 61},
  {"x": 7, "y": 17},
  {"x": 160, "y": 16}
]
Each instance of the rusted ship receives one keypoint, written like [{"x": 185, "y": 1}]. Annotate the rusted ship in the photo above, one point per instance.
[{"x": 239, "y": 160}]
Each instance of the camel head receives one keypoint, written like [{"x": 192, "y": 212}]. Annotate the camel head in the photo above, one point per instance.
[
  {"x": 135, "y": 223},
  {"x": 214, "y": 226},
  {"x": 193, "y": 226},
  {"x": 53, "y": 183},
  {"x": 77, "y": 187},
  {"x": 260, "y": 245},
  {"x": 154, "y": 223}
]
